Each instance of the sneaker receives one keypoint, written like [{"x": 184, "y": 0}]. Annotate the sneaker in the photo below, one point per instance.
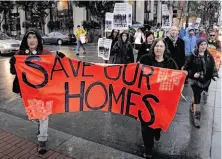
[
  {"x": 196, "y": 117},
  {"x": 205, "y": 93},
  {"x": 77, "y": 54},
  {"x": 191, "y": 107},
  {"x": 42, "y": 147},
  {"x": 147, "y": 155}
]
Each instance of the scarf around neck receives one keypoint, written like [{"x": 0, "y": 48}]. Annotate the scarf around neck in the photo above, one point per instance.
[{"x": 174, "y": 40}]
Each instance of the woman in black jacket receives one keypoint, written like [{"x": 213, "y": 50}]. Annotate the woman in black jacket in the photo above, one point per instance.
[
  {"x": 145, "y": 47},
  {"x": 158, "y": 58},
  {"x": 123, "y": 50},
  {"x": 201, "y": 69}
]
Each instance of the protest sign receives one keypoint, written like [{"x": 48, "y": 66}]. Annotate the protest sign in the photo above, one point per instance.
[
  {"x": 104, "y": 48},
  {"x": 120, "y": 16},
  {"x": 216, "y": 55},
  {"x": 130, "y": 18},
  {"x": 166, "y": 21},
  {"x": 51, "y": 85},
  {"x": 109, "y": 22}
]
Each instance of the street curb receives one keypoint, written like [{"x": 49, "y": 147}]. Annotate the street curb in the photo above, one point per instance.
[{"x": 68, "y": 144}]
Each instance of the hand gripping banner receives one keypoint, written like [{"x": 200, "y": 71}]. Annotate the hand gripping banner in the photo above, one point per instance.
[{"x": 51, "y": 85}]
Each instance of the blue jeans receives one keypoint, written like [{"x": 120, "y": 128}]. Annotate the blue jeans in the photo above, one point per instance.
[{"x": 79, "y": 44}]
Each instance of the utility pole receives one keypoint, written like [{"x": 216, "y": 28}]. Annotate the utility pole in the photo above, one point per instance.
[{"x": 187, "y": 14}]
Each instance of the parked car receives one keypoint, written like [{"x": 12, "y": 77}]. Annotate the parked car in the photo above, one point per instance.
[
  {"x": 58, "y": 38},
  {"x": 8, "y": 45}
]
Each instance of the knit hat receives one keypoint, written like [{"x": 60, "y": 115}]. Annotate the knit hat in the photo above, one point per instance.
[{"x": 200, "y": 40}]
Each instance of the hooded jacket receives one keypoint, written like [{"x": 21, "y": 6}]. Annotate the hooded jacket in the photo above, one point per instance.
[
  {"x": 24, "y": 50},
  {"x": 206, "y": 65},
  {"x": 122, "y": 51},
  {"x": 190, "y": 44}
]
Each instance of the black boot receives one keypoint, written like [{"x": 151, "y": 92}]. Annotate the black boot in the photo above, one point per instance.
[
  {"x": 196, "y": 118},
  {"x": 42, "y": 147},
  {"x": 147, "y": 155}
]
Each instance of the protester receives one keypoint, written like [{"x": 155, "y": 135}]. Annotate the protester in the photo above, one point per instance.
[
  {"x": 114, "y": 37},
  {"x": 201, "y": 68},
  {"x": 123, "y": 50},
  {"x": 213, "y": 42},
  {"x": 80, "y": 32},
  {"x": 145, "y": 48},
  {"x": 190, "y": 42},
  {"x": 32, "y": 45},
  {"x": 158, "y": 58},
  {"x": 139, "y": 39},
  {"x": 176, "y": 46}
]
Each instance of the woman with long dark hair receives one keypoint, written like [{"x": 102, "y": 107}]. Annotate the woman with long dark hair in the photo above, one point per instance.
[
  {"x": 145, "y": 47},
  {"x": 158, "y": 57}
]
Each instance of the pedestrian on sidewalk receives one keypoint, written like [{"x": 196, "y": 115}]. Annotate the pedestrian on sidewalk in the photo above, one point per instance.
[
  {"x": 201, "y": 69},
  {"x": 123, "y": 50},
  {"x": 159, "y": 58},
  {"x": 145, "y": 48},
  {"x": 32, "y": 45},
  {"x": 114, "y": 37},
  {"x": 80, "y": 32}
]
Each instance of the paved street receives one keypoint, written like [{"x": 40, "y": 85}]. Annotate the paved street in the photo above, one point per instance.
[{"x": 91, "y": 135}]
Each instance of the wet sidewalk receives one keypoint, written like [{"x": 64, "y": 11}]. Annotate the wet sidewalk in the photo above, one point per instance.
[{"x": 14, "y": 147}]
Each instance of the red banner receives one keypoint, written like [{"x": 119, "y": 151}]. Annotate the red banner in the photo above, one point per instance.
[
  {"x": 217, "y": 57},
  {"x": 51, "y": 85}
]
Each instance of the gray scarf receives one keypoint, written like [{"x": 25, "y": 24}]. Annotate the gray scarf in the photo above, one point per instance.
[{"x": 174, "y": 40}]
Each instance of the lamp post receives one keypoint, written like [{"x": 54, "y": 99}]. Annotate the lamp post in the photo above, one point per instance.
[{"x": 187, "y": 14}]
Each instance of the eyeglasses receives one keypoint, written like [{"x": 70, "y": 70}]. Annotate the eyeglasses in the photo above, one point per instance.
[{"x": 212, "y": 35}]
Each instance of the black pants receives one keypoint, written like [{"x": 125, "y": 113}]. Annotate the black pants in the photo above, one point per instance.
[
  {"x": 207, "y": 88},
  {"x": 148, "y": 135},
  {"x": 197, "y": 93}
]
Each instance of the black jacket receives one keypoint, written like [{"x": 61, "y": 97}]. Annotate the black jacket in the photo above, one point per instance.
[
  {"x": 123, "y": 53},
  {"x": 151, "y": 61},
  {"x": 177, "y": 51},
  {"x": 206, "y": 65},
  {"x": 144, "y": 49}
]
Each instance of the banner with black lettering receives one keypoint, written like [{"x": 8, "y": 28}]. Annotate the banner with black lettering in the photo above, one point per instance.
[{"x": 51, "y": 85}]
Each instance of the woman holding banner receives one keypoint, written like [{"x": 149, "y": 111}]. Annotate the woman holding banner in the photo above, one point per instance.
[
  {"x": 32, "y": 45},
  {"x": 158, "y": 58},
  {"x": 201, "y": 69}
]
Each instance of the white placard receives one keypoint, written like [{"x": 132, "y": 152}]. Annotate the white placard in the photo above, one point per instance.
[
  {"x": 104, "y": 46},
  {"x": 130, "y": 15},
  {"x": 109, "y": 22},
  {"x": 120, "y": 16},
  {"x": 166, "y": 19}
]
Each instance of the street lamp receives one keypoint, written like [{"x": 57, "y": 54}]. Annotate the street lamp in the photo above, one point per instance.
[{"x": 187, "y": 14}]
